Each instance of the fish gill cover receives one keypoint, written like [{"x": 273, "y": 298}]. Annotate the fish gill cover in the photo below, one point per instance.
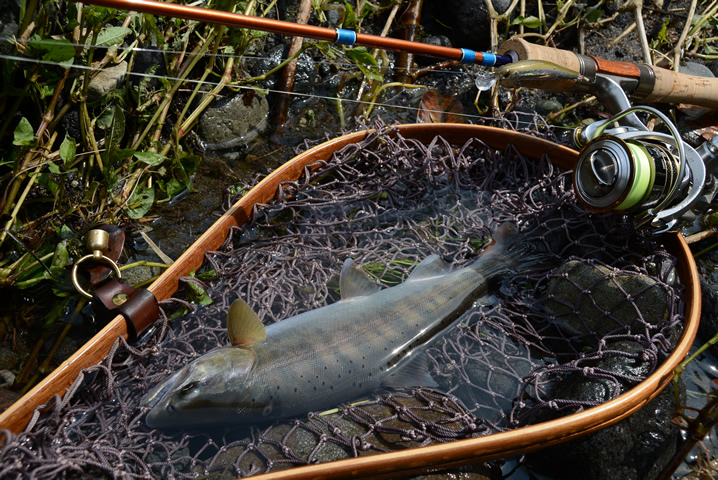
[{"x": 526, "y": 353}]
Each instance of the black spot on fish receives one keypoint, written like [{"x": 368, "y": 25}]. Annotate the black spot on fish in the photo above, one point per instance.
[
  {"x": 295, "y": 390},
  {"x": 315, "y": 389},
  {"x": 331, "y": 387},
  {"x": 277, "y": 387},
  {"x": 339, "y": 376}
]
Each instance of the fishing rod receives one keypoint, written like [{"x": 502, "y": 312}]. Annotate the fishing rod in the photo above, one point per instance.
[
  {"x": 660, "y": 180},
  {"x": 340, "y": 36},
  {"x": 641, "y": 82}
]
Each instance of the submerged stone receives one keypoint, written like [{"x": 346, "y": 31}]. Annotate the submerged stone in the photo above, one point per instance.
[
  {"x": 233, "y": 122},
  {"x": 589, "y": 298}
]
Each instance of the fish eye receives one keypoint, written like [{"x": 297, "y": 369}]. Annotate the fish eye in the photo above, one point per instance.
[{"x": 188, "y": 389}]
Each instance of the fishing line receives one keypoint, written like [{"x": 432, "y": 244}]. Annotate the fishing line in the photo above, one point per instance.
[
  {"x": 243, "y": 56},
  {"x": 245, "y": 87}
]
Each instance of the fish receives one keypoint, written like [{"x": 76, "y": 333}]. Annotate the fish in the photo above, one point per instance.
[
  {"x": 372, "y": 338},
  {"x": 539, "y": 74}
]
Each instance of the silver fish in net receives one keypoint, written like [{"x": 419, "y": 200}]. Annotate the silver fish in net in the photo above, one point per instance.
[{"x": 371, "y": 338}]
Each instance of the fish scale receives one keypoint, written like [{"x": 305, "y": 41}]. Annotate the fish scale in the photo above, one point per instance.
[{"x": 334, "y": 354}]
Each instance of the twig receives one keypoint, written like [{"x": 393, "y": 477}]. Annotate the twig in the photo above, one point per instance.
[
  {"x": 286, "y": 83},
  {"x": 697, "y": 237},
  {"x": 679, "y": 45}
]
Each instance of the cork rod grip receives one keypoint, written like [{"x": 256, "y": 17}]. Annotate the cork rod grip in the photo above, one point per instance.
[
  {"x": 529, "y": 51},
  {"x": 674, "y": 87},
  {"x": 670, "y": 86}
]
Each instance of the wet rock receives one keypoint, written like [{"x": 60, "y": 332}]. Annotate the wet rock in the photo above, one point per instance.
[
  {"x": 469, "y": 21},
  {"x": 7, "y": 398},
  {"x": 713, "y": 67},
  {"x": 625, "y": 361},
  {"x": 8, "y": 359},
  {"x": 110, "y": 78},
  {"x": 149, "y": 63},
  {"x": 9, "y": 19},
  {"x": 7, "y": 378},
  {"x": 67, "y": 348},
  {"x": 697, "y": 69},
  {"x": 548, "y": 106},
  {"x": 709, "y": 308},
  {"x": 401, "y": 423},
  {"x": 233, "y": 122},
  {"x": 587, "y": 298},
  {"x": 637, "y": 448}
]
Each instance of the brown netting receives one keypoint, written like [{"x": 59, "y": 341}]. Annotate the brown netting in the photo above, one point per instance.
[{"x": 604, "y": 296}]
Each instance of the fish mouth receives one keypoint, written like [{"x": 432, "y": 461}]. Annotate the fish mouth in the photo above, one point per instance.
[{"x": 157, "y": 394}]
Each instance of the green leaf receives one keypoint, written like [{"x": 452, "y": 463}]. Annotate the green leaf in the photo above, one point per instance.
[
  {"x": 365, "y": 62},
  {"x": 210, "y": 274},
  {"x": 530, "y": 21},
  {"x": 594, "y": 14},
  {"x": 190, "y": 163},
  {"x": 56, "y": 51},
  {"x": 112, "y": 36},
  {"x": 372, "y": 73},
  {"x": 140, "y": 202},
  {"x": 44, "y": 180},
  {"x": 65, "y": 232},
  {"x": 114, "y": 134},
  {"x": 197, "y": 293},
  {"x": 61, "y": 258},
  {"x": 350, "y": 19},
  {"x": 53, "y": 168},
  {"x": 361, "y": 55},
  {"x": 174, "y": 187},
  {"x": 24, "y": 134},
  {"x": 68, "y": 148},
  {"x": 152, "y": 159}
]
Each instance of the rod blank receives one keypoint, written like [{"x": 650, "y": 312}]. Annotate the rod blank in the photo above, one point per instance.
[{"x": 306, "y": 31}]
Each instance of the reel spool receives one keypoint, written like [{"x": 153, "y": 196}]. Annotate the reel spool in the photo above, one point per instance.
[
  {"x": 624, "y": 177},
  {"x": 654, "y": 177}
]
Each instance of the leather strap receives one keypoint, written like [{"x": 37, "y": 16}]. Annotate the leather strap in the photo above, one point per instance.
[{"x": 138, "y": 307}]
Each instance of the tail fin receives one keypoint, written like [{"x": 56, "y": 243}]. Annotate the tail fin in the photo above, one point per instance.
[{"x": 508, "y": 252}]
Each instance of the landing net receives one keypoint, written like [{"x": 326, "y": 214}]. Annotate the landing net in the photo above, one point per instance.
[{"x": 577, "y": 330}]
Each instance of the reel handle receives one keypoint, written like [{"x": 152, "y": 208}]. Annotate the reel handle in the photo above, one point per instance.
[{"x": 655, "y": 84}]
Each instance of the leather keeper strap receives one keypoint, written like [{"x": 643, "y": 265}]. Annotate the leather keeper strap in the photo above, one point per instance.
[{"x": 138, "y": 307}]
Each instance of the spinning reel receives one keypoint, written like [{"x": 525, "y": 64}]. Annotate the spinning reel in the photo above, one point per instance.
[
  {"x": 623, "y": 167},
  {"x": 655, "y": 177}
]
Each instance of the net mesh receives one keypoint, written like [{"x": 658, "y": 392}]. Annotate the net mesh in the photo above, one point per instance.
[{"x": 528, "y": 352}]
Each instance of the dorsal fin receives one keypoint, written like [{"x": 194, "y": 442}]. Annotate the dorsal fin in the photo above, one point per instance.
[
  {"x": 431, "y": 266},
  {"x": 353, "y": 282},
  {"x": 243, "y": 324}
]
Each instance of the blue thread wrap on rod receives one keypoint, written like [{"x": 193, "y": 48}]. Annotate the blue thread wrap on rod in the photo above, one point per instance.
[
  {"x": 467, "y": 56},
  {"x": 346, "y": 37},
  {"x": 489, "y": 60}
]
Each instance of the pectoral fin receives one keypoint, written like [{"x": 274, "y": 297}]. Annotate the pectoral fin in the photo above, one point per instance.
[
  {"x": 243, "y": 324},
  {"x": 412, "y": 371},
  {"x": 353, "y": 282}
]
